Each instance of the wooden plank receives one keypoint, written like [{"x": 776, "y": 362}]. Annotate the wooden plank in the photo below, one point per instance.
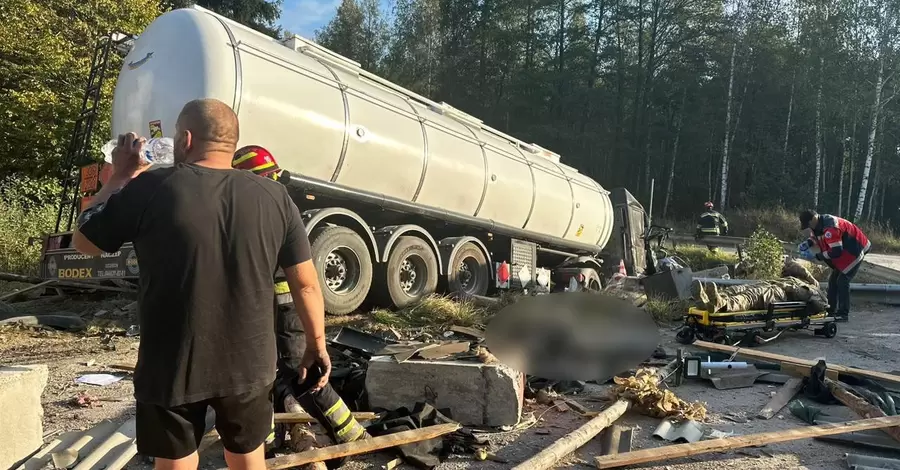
[
  {"x": 737, "y": 442},
  {"x": 122, "y": 366},
  {"x": 569, "y": 443},
  {"x": 785, "y": 394},
  {"x": 798, "y": 370},
  {"x": 778, "y": 358},
  {"x": 295, "y": 418},
  {"x": 360, "y": 447},
  {"x": 859, "y": 405}
]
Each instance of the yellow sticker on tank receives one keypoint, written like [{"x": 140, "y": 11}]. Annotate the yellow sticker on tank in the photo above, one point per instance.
[
  {"x": 580, "y": 230},
  {"x": 156, "y": 129}
]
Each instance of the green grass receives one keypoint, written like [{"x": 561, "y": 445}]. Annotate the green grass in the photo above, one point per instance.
[
  {"x": 783, "y": 224},
  {"x": 434, "y": 312},
  {"x": 666, "y": 310},
  {"x": 701, "y": 259}
]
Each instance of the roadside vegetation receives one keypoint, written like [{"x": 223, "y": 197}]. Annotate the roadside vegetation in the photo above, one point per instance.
[
  {"x": 699, "y": 258},
  {"x": 783, "y": 224},
  {"x": 24, "y": 218}
]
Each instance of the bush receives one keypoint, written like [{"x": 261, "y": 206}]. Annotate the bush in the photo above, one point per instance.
[
  {"x": 765, "y": 255},
  {"x": 26, "y": 211}
]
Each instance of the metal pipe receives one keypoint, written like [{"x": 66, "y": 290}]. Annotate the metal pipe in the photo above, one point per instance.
[
  {"x": 556, "y": 252},
  {"x": 384, "y": 202},
  {"x": 854, "y": 287},
  {"x": 723, "y": 365}
]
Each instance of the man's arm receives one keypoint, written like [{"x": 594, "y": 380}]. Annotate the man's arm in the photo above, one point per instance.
[
  {"x": 79, "y": 241},
  {"x": 126, "y": 167},
  {"x": 834, "y": 239}
]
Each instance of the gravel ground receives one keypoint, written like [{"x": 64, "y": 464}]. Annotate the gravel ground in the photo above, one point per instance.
[{"x": 869, "y": 341}]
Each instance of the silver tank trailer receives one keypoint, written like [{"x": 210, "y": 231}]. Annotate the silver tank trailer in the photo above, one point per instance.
[{"x": 324, "y": 117}]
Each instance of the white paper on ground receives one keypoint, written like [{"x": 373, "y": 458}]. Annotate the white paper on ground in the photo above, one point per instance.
[{"x": 99, "y": 379}]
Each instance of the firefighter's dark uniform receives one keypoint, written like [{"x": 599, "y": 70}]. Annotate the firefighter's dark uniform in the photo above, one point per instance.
[
  {"x": 326, "y": 406},
  {"x": 711, "y": 223}
]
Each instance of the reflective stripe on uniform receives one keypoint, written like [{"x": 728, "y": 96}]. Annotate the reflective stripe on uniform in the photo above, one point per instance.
[
  {"x": 271, "y": 437},
  {"x": 282, "y": 287},
  {"x": 284, "y": 299},
  {"x": 347, "y": 428}
]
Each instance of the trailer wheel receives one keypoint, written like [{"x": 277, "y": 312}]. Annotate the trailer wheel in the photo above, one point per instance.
[
  {"x": 469, "y": 272},
  {"x": 830, "y": 330},
  {"x": 410, "y": 274},
  {"x": 344, "y": 266}
]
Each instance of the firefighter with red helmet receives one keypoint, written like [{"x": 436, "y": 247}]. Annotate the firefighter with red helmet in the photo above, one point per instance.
[
  {"x": 711, "y": 223},
  {"x": 325, "y": 405}
]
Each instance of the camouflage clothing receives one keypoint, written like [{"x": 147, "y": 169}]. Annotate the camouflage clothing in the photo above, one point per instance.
[
  {"x": 755, "y": 296},
  {"x": 793, "y": 268}
]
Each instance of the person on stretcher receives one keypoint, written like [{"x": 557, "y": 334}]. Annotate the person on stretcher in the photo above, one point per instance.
[{"x": 755, "y": 296}]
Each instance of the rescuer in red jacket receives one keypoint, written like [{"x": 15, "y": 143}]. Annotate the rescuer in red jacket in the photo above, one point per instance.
[{"x": 842, "y": 246}]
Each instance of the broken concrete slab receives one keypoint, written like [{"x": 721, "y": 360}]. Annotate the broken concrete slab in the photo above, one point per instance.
[
  {"x": 21, "y": 412},
  {"x": 476, "y": 394}
]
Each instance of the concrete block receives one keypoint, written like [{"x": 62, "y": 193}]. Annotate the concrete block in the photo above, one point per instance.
[
  {"x": 475, "y": 394},
  {"x": 21, "y": 413}
]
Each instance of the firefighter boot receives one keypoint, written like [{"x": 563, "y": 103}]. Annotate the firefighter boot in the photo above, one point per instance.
[
  {"x": 327, "y": 407},
  {"x": 698, "y": 293},
  {"x": 716, "y": 301},
  {"x": 329, "y": 410}
]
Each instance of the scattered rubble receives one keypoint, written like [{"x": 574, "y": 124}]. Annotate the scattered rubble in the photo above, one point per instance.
[
  {"x": 447, "y": 357},
  {"x": 643, "y": 390}
]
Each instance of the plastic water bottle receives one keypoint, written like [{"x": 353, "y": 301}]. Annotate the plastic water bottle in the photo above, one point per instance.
[{"x": 159, "y": 151}]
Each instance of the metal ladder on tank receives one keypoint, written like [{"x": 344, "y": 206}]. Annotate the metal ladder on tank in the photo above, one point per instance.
[{"x": 77, "y": 152}]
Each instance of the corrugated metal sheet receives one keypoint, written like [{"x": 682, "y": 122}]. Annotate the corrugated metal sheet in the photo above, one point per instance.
[
  {"x": 106, "y": 446},
  {"x": 867, "y": 462}
]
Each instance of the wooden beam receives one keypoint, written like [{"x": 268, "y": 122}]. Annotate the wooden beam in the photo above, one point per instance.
[
  {"x": 569, "y": 443},
  {"x": 785, "y": 394},
  {"x": 360, "y": 447},
  {"x": 737, "y": 442},
  {"x": 859, "y": 405},
  {"x": 778, "y": 358}
]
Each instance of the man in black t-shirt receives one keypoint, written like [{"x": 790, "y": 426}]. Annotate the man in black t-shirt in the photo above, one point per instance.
[{"x": 208, "y": 240}]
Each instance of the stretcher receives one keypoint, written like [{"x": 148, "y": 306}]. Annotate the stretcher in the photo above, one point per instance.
[{"x": 754, "y": 327}]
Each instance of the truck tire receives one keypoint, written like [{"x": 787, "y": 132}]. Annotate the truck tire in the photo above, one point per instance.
[
  {"x": 409, "y": 275},
  {"x": 468, "y": 272},
  {"x": 344, "y": 266},
  {"x": 594, "y": 283}
]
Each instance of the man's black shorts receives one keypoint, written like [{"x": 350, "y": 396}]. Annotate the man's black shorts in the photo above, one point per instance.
[{"x": 242, "y": 421}]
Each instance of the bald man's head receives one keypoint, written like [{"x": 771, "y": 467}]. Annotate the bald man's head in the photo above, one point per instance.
[{"x": 206, "y": 129}]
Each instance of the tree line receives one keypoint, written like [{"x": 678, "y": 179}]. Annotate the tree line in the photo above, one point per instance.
[{"x": 747, "y": 103}]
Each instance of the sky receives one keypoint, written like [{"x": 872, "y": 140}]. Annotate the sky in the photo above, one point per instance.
[{"x": 304, "y": 17}]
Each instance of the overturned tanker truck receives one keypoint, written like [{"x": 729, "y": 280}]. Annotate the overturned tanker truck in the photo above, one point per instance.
[{"x": 402, "y": 196}]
